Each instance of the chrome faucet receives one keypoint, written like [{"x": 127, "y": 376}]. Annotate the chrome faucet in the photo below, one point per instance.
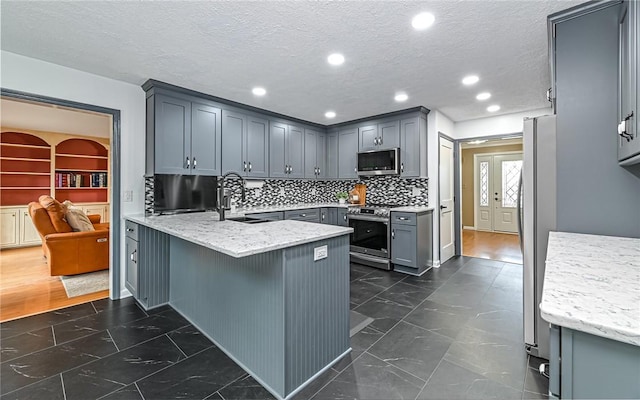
[{"x": 224, "y": 195}]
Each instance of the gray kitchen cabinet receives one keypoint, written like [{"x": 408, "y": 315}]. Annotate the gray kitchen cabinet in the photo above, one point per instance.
[
  {"x": 314, "y": 154},
  {"x": 332, "y": 156},
  {"x": 332, "y": 216},
  {"x": 324, "y": 215},
  {"x": 347, "y": 153},
  {"x": 585, "y": 366},
  {"x": 628, "y": 141},
  {"x": 307, "y": 215},
  {"x": 410, "y": 147},
  {"x": 380, "y": 136},
  {"x": 186, "y": 137},
  {"x": 245, "y": 144},
  {"x": 271, "y": 216},
  {"x": 147, "y": 268},
  {"x": 411, "y": 244},
  {"x": 286, "y": 151},
  {"x": 341, "y": 214}
]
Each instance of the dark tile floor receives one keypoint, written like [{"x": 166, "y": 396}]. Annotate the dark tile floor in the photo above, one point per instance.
[{"x": 454, "y": 333}]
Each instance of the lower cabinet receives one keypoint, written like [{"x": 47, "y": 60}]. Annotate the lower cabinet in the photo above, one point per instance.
[
  {"x": 271, "y": 216},
  {"x": 329, "y": 216},
  {"x": 101, "y": 209},
  {"x": 411, "y": 245},
  {"x": 17, "y": 229},
  {"x": 147, "y": 268},
  {"x": 342, "y": 217},
  {"x": 585, "y": 366}
]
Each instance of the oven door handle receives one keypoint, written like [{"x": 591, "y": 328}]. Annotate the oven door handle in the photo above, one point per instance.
[{"x": 368, "y": 218}]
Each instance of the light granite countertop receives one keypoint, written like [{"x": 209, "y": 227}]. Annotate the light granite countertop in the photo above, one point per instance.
[
  {"x": 288, "y": 207},
  {"x": 413, "y": 209},
  {"x": 239, "y": 239},
  {"x": 592, "y": 284}
]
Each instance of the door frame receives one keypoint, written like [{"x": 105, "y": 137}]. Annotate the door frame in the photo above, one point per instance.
[
  {"x": 476, "y": 183},
  {"x": 457, "y": 205},
  {"x": 114, "y": 201}
]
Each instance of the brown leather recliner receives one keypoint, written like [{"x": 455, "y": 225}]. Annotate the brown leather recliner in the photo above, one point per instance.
[{"x": 68, "y": 252}]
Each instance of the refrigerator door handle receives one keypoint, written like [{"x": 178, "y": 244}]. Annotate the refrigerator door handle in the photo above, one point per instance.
[{"x": 519, "y": 211}]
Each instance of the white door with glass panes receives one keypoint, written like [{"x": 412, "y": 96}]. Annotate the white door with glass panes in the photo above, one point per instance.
[{"x": 496, "y": 191}]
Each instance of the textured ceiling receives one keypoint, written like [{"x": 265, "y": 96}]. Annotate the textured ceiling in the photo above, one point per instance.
[{"x": 226, "y": 48}]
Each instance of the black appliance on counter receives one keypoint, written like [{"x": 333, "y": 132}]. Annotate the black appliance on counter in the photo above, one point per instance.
[
  {"x": 184, "y": 193},
  {"x": 370, "y": 242}
]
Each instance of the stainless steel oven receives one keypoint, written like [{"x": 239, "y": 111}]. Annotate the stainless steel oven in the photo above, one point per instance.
[{"x": 370, "y": 240}]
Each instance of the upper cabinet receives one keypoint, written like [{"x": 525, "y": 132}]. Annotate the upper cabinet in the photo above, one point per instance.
[
  {"x": 315, "y": 154},
  {"x": 410, "y": 141},
  {"x": 347, "y": 150},
  {"x": 286, "y": 151},
  {"x": 245, "y": 144},
  {"x": 186, "y": 136},
  {"x": 332, "y": 156},
  {"x": 379, "y": 136},
  {"x": 628, "y": 141}
]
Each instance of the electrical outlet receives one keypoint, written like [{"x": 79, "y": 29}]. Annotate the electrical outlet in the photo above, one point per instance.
[
  {"x": 257, "y": 193},
  {"x": 282, "y": 191},
  {"x": 320, "y": 252},
  {"x": 415, "y": 192},
  {"x": 313, "y": 192},
  {"x": 127, "y": 196}
]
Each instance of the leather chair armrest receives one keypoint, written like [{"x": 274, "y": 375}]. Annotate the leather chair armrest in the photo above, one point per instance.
[
  {"x": 94, "y": 218},
  {"x": 60, "y": 237}
]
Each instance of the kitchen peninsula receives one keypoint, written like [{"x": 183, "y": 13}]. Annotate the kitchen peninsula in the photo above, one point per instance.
[{"x": 273, "y": 295}]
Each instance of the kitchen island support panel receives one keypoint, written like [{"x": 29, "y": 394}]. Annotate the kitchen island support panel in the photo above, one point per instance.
[{"x": 281, "y": 315}]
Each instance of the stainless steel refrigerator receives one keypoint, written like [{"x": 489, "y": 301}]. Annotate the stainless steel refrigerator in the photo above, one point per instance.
[{"x": 536, "y": 217}]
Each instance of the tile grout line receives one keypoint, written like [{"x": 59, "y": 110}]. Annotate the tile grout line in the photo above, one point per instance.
[
  {"x": 53, "y": 332},
  {"x": 430, "y": 376},
  {"x": 114, "y": 342},
  {"x": 94, "y": 307},
  {"x": 176, "y": 344},
  {"x": 394, "y": 366},
  {"x": 138, "y": 389},
  {"x": 64, "y": 391}
]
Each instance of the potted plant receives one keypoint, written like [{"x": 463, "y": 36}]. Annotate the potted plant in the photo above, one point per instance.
[{"x": 342, "y": 197}]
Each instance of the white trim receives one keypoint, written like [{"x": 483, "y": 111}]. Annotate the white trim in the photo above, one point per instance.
[{"x": 470, "y": 228}]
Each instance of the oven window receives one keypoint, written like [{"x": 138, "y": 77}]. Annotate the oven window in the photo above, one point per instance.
[
  {"x": 376, "y": 161},
  {"x": 369, "y": 234}
]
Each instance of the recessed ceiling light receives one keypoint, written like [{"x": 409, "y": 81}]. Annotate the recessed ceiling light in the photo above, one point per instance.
[
  {"x": 483, "y": 96},
  {"x": 493, "y": 108},
  {"x": 477, "y": 141},
  {"x": 470, "y": 80},
  {"x": 422, "y": 21},
  {"x": 401, "y": 97},
  {"x": 330, "y": 114},
  {"x": 259, "y": 91},
  {"x": 335, "y": 59}
]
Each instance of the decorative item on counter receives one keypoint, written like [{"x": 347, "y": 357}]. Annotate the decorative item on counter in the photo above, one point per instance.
[
  {"x": 342, "y": 197},
  {"x": 362, "y": 191}
]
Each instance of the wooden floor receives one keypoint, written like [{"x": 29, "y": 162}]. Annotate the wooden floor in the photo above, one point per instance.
[
  {"x": 26, "y": 287},
  {"x": 491, "y": 245}
]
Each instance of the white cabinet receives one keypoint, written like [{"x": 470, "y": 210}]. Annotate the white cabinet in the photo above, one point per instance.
[
  {"x": 100, "y": 209},
  {"x": 16, "y": 228}
]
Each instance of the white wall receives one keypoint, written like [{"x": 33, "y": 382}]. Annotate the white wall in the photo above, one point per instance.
[
  {"x": 498, "y": 125},
  {"x": 38, "y": 77},
  {"x": 436, "y": 123}
]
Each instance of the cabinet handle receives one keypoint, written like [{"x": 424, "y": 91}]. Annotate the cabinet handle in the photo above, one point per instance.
[
  {"x": 188, "y": 163},
  {"x": 323, "y": 216},
  {"x": 318, "y": 171},
  {"x": 290, "y": 169},
  {"x": 393, "y": 234},
  {"x": 344, "y": 217},
  {"x": 403, "y": 218},
  {"x": 380, "y": 140},
  {"x": 623, "y": 127},
  {"x": 355, "y": 170},
  {"x": 401, "y": 167},
  {"x": 129, "y": 229},
  {"x": 133, "y": 256},
  {"x": 195, "y": 162},
  {"x": 244, "y": 166},
  {"x": 375, "y": 141},
  {"x": 249, "y": 166},
  {"x": 286, "y": 169},
  {"x": 303, "y": 215}
]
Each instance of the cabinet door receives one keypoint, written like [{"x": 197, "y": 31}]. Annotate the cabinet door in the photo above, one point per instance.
[
  {"x": 389, "y": 135},
  {"x": 172, "y": 135},
  {"x": 368, "y": 136},
  {"x": 324, "y": 216},
  {"x": 332, "y": 214},
  {"x": 627, "y": 80},
  {"x": 28, "y": 232},
  {"x": 347, "y": 154},
  {"x": 257, "y": 151},
  {"x": 403, "y": 245},
  {"x": 295, "y": 151},
  {"x": 410, "y": 147},
  {"x": 342, "y": 217},
  {"x": 233, "y": 142},
  {"x": 131, "y": 277},
  {"x": 278, "y": 166},
  {"x": 9, "y": 227},
  {"x": 95, "y": 209},
  {"x": 332, "y": 156},
  {"x": 321, "y": 155},
  {"x": 206, "y": 140},
  {"x": 310, "y": 150}
]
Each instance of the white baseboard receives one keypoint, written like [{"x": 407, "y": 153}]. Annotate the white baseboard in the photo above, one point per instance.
[{"x": 471, "y": 228}]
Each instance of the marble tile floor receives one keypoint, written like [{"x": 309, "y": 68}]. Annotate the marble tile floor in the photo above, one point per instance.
[{"x": 454, "y": 333}]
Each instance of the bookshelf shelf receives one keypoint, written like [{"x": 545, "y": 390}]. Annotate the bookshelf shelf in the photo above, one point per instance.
[
  {"x": 25, "y": 167},
  {"x": 81, "y": 187}
]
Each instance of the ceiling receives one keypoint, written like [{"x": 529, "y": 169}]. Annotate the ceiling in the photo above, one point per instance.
[
  {"x": 226, "y": 48},
  {"x": 52, "y": 118}
]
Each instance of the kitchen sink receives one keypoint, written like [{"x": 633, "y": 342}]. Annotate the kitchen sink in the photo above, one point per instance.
[{"x": 248, "y": 220}]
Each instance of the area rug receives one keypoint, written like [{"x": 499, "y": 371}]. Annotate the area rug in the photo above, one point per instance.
[{"x": 77, "y": 285}]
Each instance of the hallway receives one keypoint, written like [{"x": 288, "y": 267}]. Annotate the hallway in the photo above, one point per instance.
[{"x": 491, "y": 245}]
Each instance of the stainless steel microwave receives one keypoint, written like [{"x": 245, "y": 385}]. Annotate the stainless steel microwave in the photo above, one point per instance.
[{"x": 379, "y": 162}]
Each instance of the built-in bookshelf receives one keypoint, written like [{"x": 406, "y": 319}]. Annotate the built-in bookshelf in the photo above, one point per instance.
[
  {"x": 81, "y": 171},
  {"x": 25, "y": 168}
]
